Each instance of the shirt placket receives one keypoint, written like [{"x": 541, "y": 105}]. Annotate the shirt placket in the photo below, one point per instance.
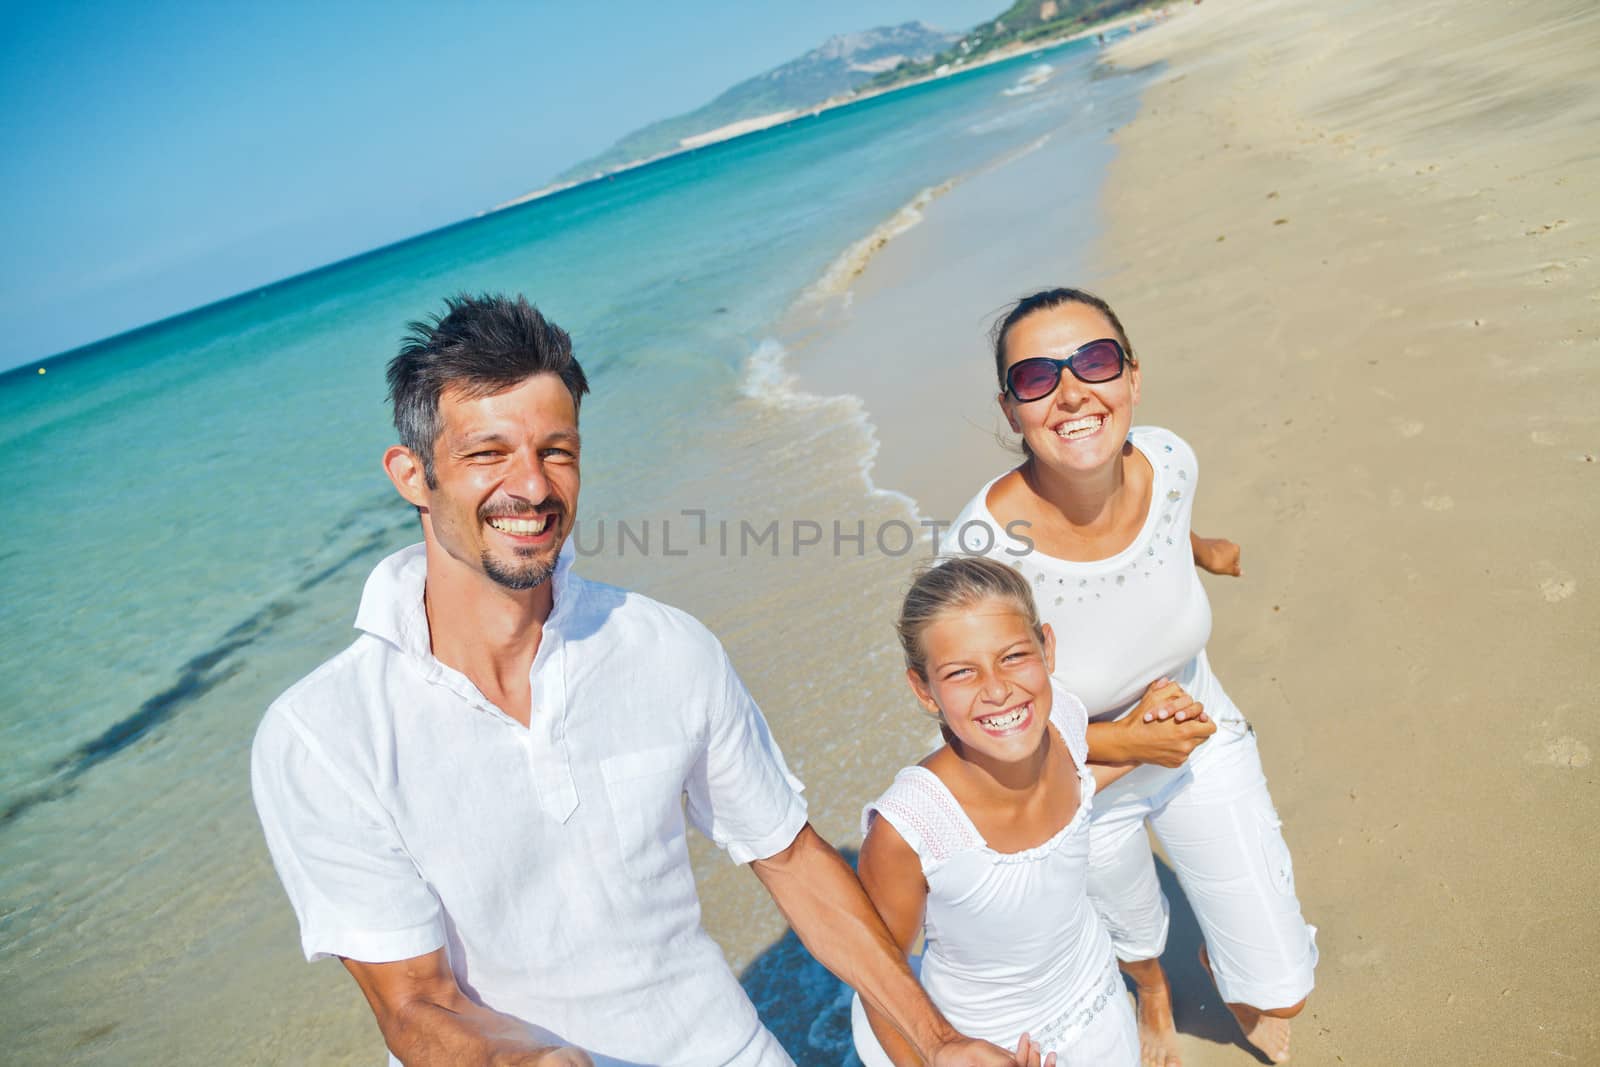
[{"x": 549, "y": 755}]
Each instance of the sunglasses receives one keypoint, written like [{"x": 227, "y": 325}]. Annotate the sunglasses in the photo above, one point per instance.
[{"x": 1037, "y": 377}]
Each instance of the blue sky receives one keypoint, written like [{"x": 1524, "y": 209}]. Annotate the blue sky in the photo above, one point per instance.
[{"x": 157, "y": 156}]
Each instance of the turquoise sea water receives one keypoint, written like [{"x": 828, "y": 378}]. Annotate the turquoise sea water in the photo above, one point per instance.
[{"x": 195, "y": 505}]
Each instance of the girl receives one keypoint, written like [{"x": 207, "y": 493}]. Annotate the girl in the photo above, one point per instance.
[{"x": 983, "y": 847}]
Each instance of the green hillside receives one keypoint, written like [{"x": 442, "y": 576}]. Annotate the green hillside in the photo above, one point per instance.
[
  {"x": 1024, "y": 21},
  {"x": 842, "y": 64}
]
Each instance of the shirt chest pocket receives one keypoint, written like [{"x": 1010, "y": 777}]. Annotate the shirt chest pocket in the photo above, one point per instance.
[{"x": 645, "y": 790}]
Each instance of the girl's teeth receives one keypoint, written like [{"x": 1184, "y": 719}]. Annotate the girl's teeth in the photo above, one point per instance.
[{"x": 1006, "y": 721}]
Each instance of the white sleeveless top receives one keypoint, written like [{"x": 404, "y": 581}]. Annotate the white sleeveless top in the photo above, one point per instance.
[{"x": 1012, "y": 942}]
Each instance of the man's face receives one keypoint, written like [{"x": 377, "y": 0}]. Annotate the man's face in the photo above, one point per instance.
[{"x": 506, "y": 474}]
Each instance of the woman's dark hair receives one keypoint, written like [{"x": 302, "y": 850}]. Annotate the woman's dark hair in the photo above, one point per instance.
[
  {"x": 481, "y": 346},
  {"x": 1044, "y": 300}
]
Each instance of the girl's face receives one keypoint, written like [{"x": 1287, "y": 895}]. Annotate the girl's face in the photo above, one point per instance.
[
  {"x": 1079, "y": 427},
  {"x": 989, "y": 678}
]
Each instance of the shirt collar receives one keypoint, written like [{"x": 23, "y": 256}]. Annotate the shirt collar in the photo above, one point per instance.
[{"x": 392, "y": 607}]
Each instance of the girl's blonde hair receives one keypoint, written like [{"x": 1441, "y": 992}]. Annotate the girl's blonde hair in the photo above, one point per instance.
[{"x": 954, "y": 584}]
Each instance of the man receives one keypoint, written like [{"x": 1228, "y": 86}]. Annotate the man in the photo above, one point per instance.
[{"x": 477, "y": 806}]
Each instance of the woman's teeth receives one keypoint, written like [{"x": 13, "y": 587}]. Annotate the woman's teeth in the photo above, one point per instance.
[
  {"x": 1080, "y": 427},
  {"x": 522, "y": 527},
  {"x": 1005, "y": 720}
]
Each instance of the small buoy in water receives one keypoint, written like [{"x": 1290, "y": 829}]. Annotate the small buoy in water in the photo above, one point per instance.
[{"x": 41, "y": 370}]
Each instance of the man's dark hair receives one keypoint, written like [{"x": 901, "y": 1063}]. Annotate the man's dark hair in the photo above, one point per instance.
[{"x": 481, "y": 346}]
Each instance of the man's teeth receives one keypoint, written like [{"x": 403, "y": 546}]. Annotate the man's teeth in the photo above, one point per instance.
[
  {"x": 1080, "y": 427},
  {"x": 1005, "y": 721},
  {"x": 524, "y": 527}
]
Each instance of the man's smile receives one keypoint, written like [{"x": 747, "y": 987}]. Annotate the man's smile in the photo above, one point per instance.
[{"x": 521, "y": 527}]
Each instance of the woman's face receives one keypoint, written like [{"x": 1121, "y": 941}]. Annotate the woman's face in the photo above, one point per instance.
[
  {"x": 1079, "y": 427},
  {"x": 989, "y": 677}
]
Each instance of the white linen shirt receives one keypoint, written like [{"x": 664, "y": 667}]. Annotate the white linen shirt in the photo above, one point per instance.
[{"x": 405, "y": 812}]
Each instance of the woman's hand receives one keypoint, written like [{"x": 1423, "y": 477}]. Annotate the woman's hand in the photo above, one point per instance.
[
  {"x": 1163, "y": 728},
  {"x": 1217, "y": 555},
  {"x": 1165, "y": 699}
]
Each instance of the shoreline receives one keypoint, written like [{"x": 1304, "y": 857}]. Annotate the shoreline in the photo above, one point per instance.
[
  {"x": 757, "y": 123},
  {"x": 1367, "y": 299}
]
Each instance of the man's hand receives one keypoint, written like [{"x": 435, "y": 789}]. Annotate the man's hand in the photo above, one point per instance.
[
  {"x": 965, "y": 1052},
  {"x": 1217, "y": 555}
]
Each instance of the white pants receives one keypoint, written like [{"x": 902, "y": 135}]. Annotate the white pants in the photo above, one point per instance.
[
  {"x": 1104, "y": 1035},
  {"x": 1216, "y": 822}
]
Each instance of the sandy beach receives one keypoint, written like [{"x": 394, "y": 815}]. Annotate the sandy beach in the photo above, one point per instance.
[{"x": 1356, "y": 250}]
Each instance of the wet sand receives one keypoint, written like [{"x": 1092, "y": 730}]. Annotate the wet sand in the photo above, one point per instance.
[{"x": 1356, "y": 249}]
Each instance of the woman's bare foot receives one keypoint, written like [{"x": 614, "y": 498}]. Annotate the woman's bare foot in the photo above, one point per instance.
[
  {"x": 1158, "y": 1037},
  {"x": 1266, "y": 1032}
]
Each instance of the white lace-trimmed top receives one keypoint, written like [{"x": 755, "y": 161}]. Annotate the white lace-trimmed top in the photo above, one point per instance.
[{"x": 1012, "y": 942}]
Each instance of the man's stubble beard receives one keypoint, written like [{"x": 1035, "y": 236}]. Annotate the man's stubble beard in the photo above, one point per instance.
[
  {"x": 529, "y": 575},
  {"x": 520, "y": 575}
]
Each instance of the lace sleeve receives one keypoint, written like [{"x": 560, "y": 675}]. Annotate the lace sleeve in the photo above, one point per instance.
[
  {"x": 926, "y": 816},
  {"x": 1072, "y": 719}
]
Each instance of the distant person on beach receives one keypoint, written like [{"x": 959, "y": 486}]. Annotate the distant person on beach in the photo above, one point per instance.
[
  {"x": 478, "y": 806},
  {"x": 1103, "y": 509},
  {"x": 983, "y": 846}
]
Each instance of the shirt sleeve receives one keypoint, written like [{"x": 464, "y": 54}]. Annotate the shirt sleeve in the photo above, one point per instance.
[
  {"x": 354, "y": 888},
  {"x": 1072, "y": 719},
  {"x": 741, "y": 793}
]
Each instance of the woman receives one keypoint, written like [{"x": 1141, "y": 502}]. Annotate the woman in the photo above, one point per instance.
[
  {"x": 1096, "y": 519},
  {"x": 983, "y": 847}
]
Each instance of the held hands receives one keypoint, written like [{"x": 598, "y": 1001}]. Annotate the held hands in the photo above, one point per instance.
[
  {"x": 965, "y": 1052},
  {"x": 1165, "y": 726},
  {"x": 1217, "y": 555}
]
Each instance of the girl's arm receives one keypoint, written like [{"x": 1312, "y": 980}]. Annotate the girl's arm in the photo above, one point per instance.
[
  {"x": 892, "y": 875},
  {"x": 1106, "y": 773}
]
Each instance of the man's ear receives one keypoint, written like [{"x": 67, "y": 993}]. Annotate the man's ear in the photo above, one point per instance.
[{"x": 405, "y": 471}]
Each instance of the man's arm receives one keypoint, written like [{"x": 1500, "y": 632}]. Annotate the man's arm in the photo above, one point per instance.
[
  {"x": 427, "y": 1020},
  {"x": 820, "y": 896}
]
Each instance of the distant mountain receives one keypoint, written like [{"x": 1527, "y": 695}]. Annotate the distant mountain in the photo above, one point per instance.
[
  {"x": 842, "y": 64},
  {"x": 1019, "y": 24}
]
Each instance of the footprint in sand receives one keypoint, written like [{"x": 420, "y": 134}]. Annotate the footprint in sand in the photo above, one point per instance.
[
  {"x": 1546, "y": 228},
  {"x": 1367, "y": 958},
  {"x": 1438, "y": 503},
  {"x": 1567, "y": 752},
  {"x": 1408, "y": 427},
  {"x": 1556, "y": 590},
  {"x": 1554, "y": 272},
  {"x": 1542, "y": 437}
]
